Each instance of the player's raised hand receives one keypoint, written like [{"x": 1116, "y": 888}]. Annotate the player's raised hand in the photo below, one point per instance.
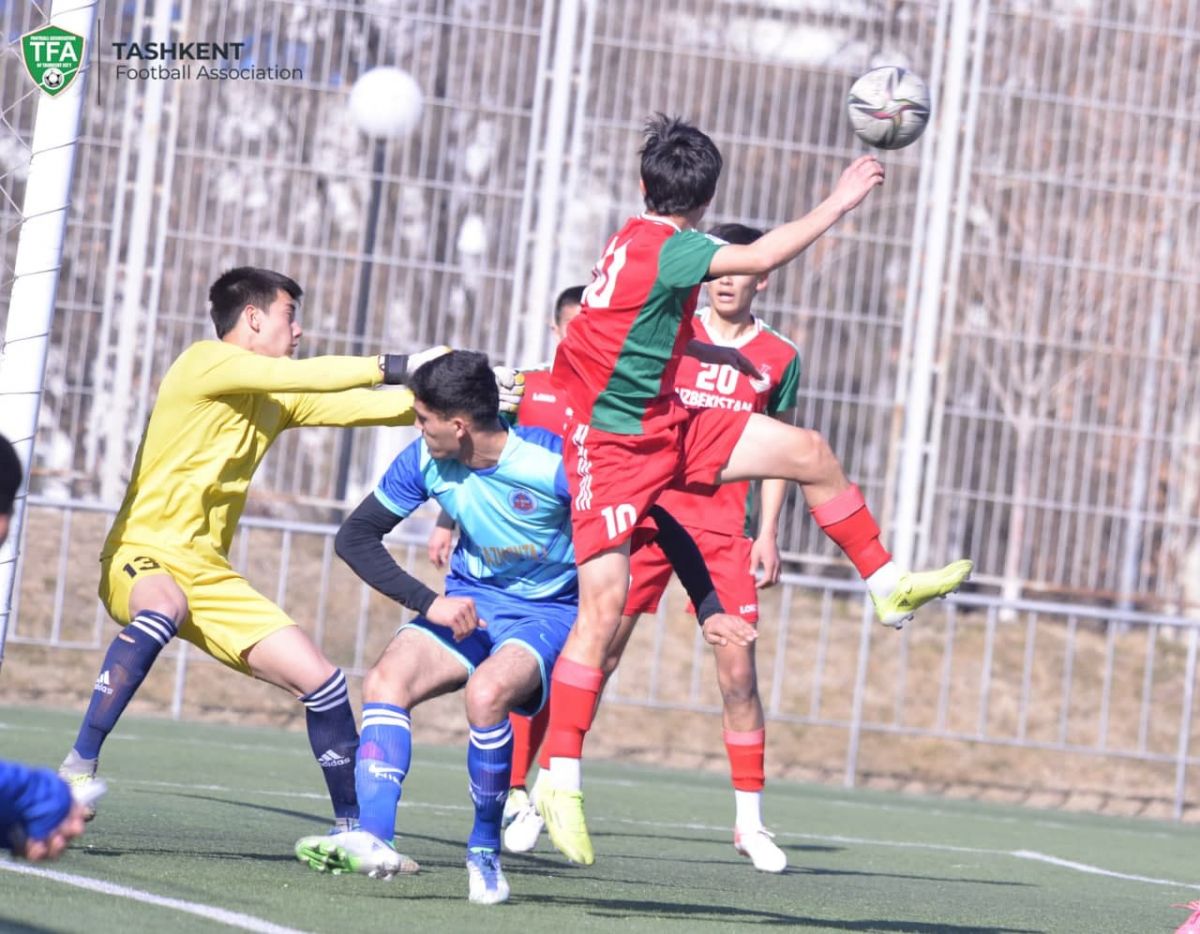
[
  {"x": 511, "y": 384},
  {"x": 860, "y": 176},
  {"x": 456, "y": 614},
  {"x": 727, "y": 629}
]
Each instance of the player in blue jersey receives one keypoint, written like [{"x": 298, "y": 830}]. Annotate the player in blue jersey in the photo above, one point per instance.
[{"x": 511, "y": 597}]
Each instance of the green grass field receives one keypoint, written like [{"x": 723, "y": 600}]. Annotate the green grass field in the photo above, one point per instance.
[{"x": 197, "y": 832}]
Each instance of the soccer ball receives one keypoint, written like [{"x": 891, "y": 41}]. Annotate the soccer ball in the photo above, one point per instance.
[
  {"x": 386, "y": 103},
  {"x": 888, "y": 107},
  {"x": 53, "y": 78}
]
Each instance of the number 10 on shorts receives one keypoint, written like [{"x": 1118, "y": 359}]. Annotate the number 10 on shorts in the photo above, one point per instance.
[{"x": 618, "y": 519}]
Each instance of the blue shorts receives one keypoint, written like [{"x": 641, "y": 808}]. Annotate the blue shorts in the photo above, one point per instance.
[{"x": 540, "y": 628}]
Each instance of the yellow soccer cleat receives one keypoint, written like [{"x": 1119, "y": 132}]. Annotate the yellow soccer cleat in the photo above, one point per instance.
[
  {"x": 916, "y": 588},
  {"x": 563, "y": 813}
]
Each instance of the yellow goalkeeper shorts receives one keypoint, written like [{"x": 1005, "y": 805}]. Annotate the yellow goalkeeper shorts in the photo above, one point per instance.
[{"x": 226, "y": 616}]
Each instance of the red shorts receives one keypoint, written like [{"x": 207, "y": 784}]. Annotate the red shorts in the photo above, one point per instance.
[
  {"x": 615, "y": 479},
  {"x": 727, "y": 558}
]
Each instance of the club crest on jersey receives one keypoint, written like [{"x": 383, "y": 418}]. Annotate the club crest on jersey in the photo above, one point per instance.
[
  {"x": 522, "y": 501},
  {"x": 763, "y": 383}
]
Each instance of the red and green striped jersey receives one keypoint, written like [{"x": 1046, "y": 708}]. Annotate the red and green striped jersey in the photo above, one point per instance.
[
  {"x": 713, "y": 386},
  {"x": 617, "y": 363}
]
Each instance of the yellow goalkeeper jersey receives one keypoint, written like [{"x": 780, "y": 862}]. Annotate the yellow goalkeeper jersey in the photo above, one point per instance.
[{"x": 219, "y": 407}]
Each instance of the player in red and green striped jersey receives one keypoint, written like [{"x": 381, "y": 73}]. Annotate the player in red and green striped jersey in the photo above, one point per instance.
[{"x": 629, "y": 437}]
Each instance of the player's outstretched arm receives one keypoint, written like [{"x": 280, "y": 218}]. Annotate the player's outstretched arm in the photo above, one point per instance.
[
  {"x": 222, "y": 369},
  {"x": 786, "y": 242}
]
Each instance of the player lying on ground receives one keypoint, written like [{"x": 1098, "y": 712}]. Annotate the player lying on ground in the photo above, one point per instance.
[
  {"x": 542, "y": 406},
  {"x": 719, "y": 525},
  {"x": 510, "y": 600},
  {"x": 629, "y": 438},
  {"x": 165, "y": 565}
]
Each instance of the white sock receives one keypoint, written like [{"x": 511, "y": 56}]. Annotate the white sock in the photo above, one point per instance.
[
  {"x": 885, "y": 580},
  {"x": 749, "y": 810},
  {"x": 565, "y": 774}
]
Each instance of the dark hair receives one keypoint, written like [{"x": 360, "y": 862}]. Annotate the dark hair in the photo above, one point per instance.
[
  {"x": 458, "y": 383},
  {"x": 736, "y": 233},
  {"x": 568, "y": 296},
  {"x": 680, "y": 166},
  {"x": 10, "y": 475},
  {"x": 245, "y": 285}
]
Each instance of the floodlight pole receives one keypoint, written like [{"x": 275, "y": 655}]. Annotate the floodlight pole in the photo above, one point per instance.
[{"x": 35, "y": 277}]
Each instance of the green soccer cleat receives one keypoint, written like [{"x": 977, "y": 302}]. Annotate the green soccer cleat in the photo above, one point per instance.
[
  {"x": 563, "y": 813},
  {"x": 353, "y": 851},
  {"x": 916, "y": 588}
]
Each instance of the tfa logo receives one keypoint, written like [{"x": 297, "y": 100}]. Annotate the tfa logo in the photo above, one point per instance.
[{"x": 52, "y": 57}]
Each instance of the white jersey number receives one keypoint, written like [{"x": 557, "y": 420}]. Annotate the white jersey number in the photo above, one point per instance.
[
  {"x": 604, "y": 283},
  {"x": 618, "y": 519},
  {"x": 717, "y": 377}
]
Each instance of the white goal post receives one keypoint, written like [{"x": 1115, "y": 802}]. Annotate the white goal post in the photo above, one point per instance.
[{"x": 36, "y": 274}]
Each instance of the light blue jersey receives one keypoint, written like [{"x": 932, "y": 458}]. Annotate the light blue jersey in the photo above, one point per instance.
[{"x": 514, "y": 519}]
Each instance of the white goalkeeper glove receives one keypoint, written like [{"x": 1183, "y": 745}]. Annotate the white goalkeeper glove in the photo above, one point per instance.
[
  {"x": 511, "y": 384},
  {"x": 397, "y": 367}
]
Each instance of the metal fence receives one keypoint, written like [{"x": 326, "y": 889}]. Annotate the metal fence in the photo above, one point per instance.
[
  {"x": 998, "y": 343},
  {"x": 1113, "y": 690}
]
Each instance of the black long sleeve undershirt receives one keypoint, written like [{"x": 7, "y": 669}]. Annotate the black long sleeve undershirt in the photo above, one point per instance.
[
  {"x": 685, "y": 557},
  {"x": 359, "y": 543}
]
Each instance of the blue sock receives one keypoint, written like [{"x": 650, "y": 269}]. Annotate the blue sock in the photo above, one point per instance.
[
  {"x": 129, "y": 660},
  {"x": 384, "y": 757},
  {"x": 334, "y": 740},
  {"x": 489, "y": 765}
]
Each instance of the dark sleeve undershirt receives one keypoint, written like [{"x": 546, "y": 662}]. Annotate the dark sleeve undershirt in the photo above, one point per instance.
[
  {"x": 359, "y": 543},
  {"x": 681, "y": 550}
]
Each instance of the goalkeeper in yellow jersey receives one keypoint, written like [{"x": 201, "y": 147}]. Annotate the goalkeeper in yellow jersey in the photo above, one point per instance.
[{"x": 165, "y": 569}]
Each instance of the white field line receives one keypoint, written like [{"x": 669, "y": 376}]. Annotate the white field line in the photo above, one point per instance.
[
  {"x": 232, "y": 918},
  {"x": 723, "y": 829}
]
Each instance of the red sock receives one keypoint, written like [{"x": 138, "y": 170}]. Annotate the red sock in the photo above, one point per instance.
[
  {"x": 528, "y": 733},
  {"x": 574, "y": 689},
  {"x": 745, "y": 751},
  {"x": 847, "y": 520}
]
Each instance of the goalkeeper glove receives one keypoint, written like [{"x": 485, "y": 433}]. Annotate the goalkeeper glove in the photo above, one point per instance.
[
  {"x": 397, "y": 366},
  {"x": 511, "y": 384}
]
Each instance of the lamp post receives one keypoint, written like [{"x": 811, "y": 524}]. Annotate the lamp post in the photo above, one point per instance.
[{"x": 386, "y": 103}]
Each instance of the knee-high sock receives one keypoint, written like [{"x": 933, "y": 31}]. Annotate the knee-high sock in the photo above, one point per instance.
[
  {"x": 385, "y": 754},
  {"x": 334, "y": 740},
  {"x": 574, "y": 689},
  {"x": 489, "y": 762},
  {"x": 384, "y": 757},
  {"x": 847, "y": 520},
  {"x": 130, "y": 658},
  {"x": 746, "y": 754},
  {"x": 528, "y": 733}
]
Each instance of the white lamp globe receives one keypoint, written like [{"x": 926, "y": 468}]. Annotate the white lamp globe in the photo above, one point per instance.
[{"x": 386, "y": 102}]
